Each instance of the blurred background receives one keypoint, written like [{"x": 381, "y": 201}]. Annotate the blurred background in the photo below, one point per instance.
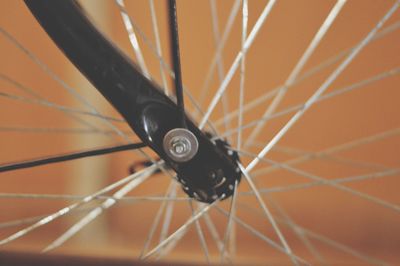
[{"x": 339, "y": 225}]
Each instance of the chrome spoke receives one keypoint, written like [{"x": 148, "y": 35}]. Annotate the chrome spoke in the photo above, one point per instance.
[
  {"x": 228, "y": 27},
  {"x": 156, "y": 221},
  {"x": 229, "y": 226},
  {"x": 322, "y": 183},
  {"x": 249, "y": 41},
  {"x": 298, "y": 68},
  {"x": 336, "y": 58},
  {"x": 342, "y": 247},
  {"x": 31, "y": 92},
  {"x": 330, "y": 183},
  {"x": 214, "y": 234},
  {"x": 126, "y": 199},
  {"x": 200, "y": 234},
  {"x": 339, "y": 148},
  {"x": 268, "y": 213},
  {"x": 327, "y": 96},
  {"x": 33, "y": 219},
  {"x": 71, "y": 207},
  {"x": 132, "y": 37},
  {"x": 62, "y": 108},
  {"x": 56, "y": 78},
  {"x": 93, "y": 214},
  {"x": 220, "y": 60},
  {"x": 330, "y": 61},
  {"x": 260, "y": 235},
  {"x": 323, "y": 239},
  {"x": 56, "y": 130},
  {"x": 325, "y": 157},
  {"x": 245, "y": 15},
  {"x": 299, "y": 233},
  {"x": 168, "y": 213},
  {"x": 323, "y": 87},
  {"x": 158, "y": 45},
  {"x": 171, "y": 245},
  {"x": 180, "y": 229}
]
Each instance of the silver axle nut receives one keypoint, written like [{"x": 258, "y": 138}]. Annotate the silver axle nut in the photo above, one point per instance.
[{"x": 180, "y": 145}]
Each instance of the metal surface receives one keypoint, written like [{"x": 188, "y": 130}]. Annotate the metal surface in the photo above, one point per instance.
[{"x": 180, "y": 144}]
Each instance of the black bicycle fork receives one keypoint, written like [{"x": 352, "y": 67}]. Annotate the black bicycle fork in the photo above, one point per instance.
[{"x": 211, "y": 173}]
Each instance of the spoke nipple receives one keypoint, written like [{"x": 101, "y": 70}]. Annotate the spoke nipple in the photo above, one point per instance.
[{"x": 196, "y": 196}]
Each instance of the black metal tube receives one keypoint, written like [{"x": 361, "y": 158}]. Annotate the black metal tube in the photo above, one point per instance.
[
  {"x": 174, "y": 39},
  {"x": 69, "y": 157}
]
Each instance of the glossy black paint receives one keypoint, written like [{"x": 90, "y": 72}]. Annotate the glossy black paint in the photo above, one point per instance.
[
  {"x": 148, "y": 111},
  {"x": 175, "y": 54}
]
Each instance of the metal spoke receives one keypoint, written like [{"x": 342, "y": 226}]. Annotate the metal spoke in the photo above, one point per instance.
[
  {"x": 214, "y": 234},
  {"x": 200, "y": 234},
  {"x": 56, "y": 78},
  {"x": 299, "y": 233},
  {"x": 322, "y": 183},
  {"x": 325, "y": 157},
  {"x": 168, "y": 213},
  {"x": 158, "y": 45},
  {"x": 37, "y": 96},
  {"x": 330, "y": 61},
  {"x": 229, "y": 226},
  {"x": 323, "y": 87},
  {"x": 328, "y": 182},
  {"x": 180, "y": 230},
  {"x": 260, "y": 235},
  {"x": 327, "y": 96},
  {"x": 56, "y": 130},
  {"x": 218, "y": 50},
  {"x": 71, "y": 207},
  {"x": 68, "y": 157},
  {"x": 322, "y": 238},
  {"x": 338, "y": 148},
  {"x": 58, "y": 107},
  {"x": 268, "y": 214},
  {"x": 156, "y": 220},
  {"x": 249, "y": 41},
  {"x": 245, "y": 14},
  {"x": 174, "y": 39},
  {"x": 93, "y": 214},
  {"x": 132, "y": 37},
  {"x": 30, "y": 220},
  {"x": 220, "y": 59},
  {"x": 127, "y": 199},
  {"x": 298, "y": 68},
  {"x": 342, "y": 247}
]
